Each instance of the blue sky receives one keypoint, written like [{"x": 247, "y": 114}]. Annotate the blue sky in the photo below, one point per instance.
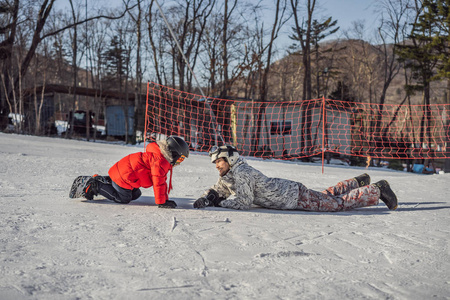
[
  {"x": 345, "y": 11},
  {"x": 348, "y": 11}
]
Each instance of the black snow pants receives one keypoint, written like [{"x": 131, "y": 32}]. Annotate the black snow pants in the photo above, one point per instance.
[{"x": 113, "y": 191}]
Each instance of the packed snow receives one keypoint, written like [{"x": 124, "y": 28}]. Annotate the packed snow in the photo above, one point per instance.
[{"x": 53, "y": 247}]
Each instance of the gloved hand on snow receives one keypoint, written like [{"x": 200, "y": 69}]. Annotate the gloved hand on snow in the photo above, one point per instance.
[
  {"x": 202, "y": 202},
  {"x": 211, "y": 199},
  {"x": 168, "y": 204}
]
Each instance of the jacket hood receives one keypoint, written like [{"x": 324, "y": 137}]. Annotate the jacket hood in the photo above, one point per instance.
[
  {"x": 164, "y": 147},
  {"x": 239, "y": 162}
]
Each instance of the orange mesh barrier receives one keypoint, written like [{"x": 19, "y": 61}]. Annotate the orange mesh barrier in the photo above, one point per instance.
[{"x": 290, "y": 130}]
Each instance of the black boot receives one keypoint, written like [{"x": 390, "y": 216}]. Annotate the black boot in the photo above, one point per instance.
[
  {"x": 386, "y": 194},
  {"x": 91, "y": 188},
  {"x": 363, "y": 179},
  {"x": 103, "y": 179}
]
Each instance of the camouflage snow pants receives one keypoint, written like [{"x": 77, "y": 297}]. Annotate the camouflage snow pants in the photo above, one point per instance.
[{"x": 343, "y": 196}]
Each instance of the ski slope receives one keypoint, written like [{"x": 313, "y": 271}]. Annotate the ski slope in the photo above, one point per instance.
[{"x": 53, "y": 247}]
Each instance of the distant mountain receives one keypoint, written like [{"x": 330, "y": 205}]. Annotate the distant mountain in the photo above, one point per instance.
[{"x": 341, "y": 69}]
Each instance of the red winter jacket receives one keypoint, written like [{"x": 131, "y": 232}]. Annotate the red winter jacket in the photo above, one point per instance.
[{"x": 143, "y": 169}]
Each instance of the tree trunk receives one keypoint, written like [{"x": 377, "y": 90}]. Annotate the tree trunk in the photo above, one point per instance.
[{"x": 6, "y": 48}]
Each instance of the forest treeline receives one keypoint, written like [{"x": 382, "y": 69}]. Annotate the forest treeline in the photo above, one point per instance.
[{"x": 231, "y": 45}]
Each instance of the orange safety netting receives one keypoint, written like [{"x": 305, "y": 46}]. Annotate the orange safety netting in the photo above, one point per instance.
[{"x": 290, "y": 130}]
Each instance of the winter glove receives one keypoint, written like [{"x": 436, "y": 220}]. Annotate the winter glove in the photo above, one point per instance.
[
  {"x": 202, "y": 202},
  {"x": 168, "y": 204},
  {"x": 211, "y": 199}
]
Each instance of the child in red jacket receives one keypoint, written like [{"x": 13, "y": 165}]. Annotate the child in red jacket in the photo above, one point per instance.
[{"x": 142, "y": 169}]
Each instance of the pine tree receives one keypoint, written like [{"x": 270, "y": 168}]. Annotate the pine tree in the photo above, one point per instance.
[
  {"x": 309, "y": 33},
  {"x": 440, "y": 14},
  {"x": 115, "y": 58},
  {"x": 421, "y": 56},
  {"x": 319, "y": 32}
]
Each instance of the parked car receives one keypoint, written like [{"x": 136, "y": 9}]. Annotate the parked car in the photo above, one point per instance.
[{"x": 80, "y": 123}]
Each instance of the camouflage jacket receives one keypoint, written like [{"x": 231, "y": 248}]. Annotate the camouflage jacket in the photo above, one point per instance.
[{"x": 243, "y": 186}]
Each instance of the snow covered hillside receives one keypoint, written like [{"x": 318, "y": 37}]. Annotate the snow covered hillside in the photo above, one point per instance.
[{"x": 53, "y": 247}]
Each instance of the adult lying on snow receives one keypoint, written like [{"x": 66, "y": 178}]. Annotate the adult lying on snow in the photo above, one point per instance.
[{"x": 240, "y": 185}]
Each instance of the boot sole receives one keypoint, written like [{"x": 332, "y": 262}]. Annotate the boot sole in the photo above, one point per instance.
[{"x": 78, "y": 187}]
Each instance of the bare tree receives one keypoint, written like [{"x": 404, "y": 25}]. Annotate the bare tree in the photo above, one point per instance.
[
  {"x": 97, "y": 35},
  {"x": 41, "y": 67},
  {"x": 187, "y": 20},
  {"x": 303, "y": 31},
  {"x": 392, "y": 32},
  {"x": 320, "y": 31},
  {"x": 118, "y": 63},
  {"x": 74, "y": 44},
  {"x": 279, "y": 21},
  {"x": 228, "y": 11},
  {"x": 212, "y": 48},
  {"x": 227, "y": 42},
  {"x": 155, "y": 33},
  {"x": 38, "y": 33},
  {"x": 360, "y": 64},
  {"x": 277, "y": 25},
  {"x": 137, "y": 19},
  {"x": 8, "y": 27}
]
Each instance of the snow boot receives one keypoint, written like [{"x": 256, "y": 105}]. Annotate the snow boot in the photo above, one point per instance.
[
  {"x": 91, "y": 188},
  {"x": 78, "y": 186},
  {"x": 363, "y": 179},
  {"x": 103, "y": 179},
  {"x": 386, "y": 194}
]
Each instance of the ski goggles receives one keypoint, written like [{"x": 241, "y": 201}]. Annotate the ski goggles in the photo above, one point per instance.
[
  {"x": 216, "y": 150},
  {"x": 180, "y": 160}
]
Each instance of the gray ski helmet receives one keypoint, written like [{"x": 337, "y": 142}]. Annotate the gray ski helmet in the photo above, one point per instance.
[
  {"x": 178, "y": 147},
  {"x": 230, "y": 153}
]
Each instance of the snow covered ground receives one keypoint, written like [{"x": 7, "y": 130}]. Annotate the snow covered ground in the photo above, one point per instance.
[{"x": 53, "y": 247}]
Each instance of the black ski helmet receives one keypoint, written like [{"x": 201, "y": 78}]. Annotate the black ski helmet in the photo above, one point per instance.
[{"x": 178, "y": 147}]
